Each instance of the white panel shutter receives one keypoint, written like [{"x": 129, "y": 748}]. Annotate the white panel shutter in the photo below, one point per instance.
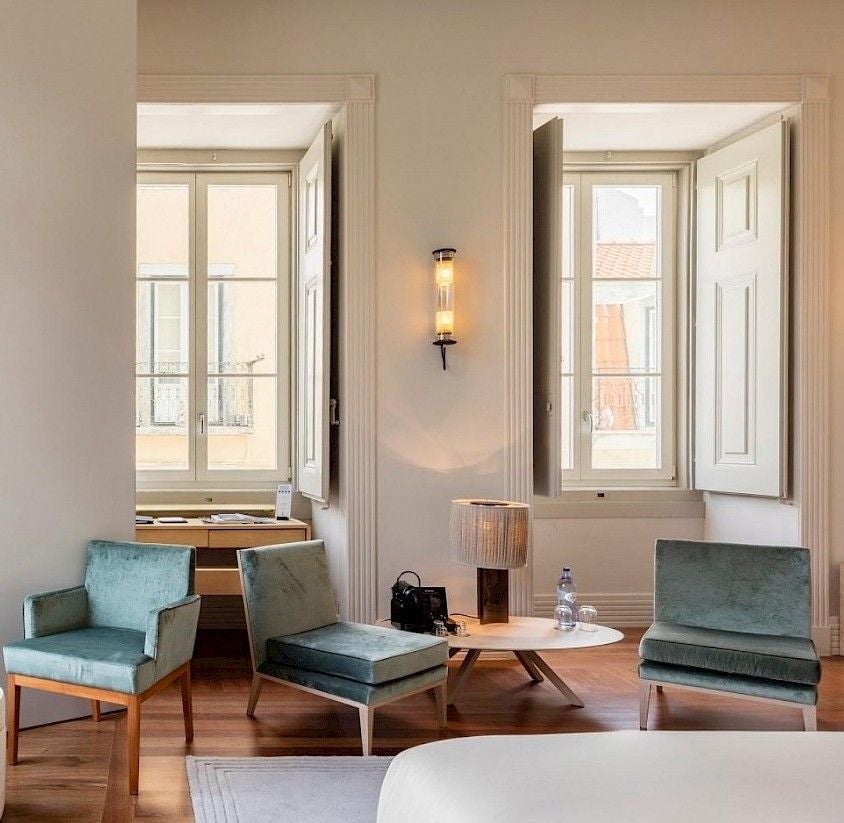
[
  {"x": 741, "y": 333},
  {"x": 313, "y": 326},
  {"x": 547, "y": 273}
]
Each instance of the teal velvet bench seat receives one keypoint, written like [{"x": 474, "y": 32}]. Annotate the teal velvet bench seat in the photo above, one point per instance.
[
  {"x": 297, "y": 640},
  {"x": 124, "y": 635},
  {"x": 735, "y": 619}
]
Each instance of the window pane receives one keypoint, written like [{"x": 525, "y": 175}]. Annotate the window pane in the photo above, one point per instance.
[
  {"x": 626, "y": 232},
  {"x": 626, "y": 424},
  {"x": 161, "y": 431},
  {"x": 163, "y": 230},
  {"x": 568, "y": 231},
  {"x": 567, "y": 415},
  {"x": 625, "y": 328},
  {"x": 242, "y": 423},
  {"x": 242, "y": 230},
  {"x": 242, "y": 327},
  {"x": 567, "y": 321},
  {"x": 162, "y": 328}
]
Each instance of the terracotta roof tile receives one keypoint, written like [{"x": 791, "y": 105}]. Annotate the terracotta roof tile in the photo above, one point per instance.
[{"x": 625, "y": 260}]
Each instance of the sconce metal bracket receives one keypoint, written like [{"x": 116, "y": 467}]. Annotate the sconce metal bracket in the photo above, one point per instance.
[{"x": 442, "y": 343}]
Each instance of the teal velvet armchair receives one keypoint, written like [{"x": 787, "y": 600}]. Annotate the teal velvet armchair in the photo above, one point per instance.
[
  {"x": 296, "y": 639},
  {"x": 735, "y": 619},
  {"x": 124, "y": 635}
]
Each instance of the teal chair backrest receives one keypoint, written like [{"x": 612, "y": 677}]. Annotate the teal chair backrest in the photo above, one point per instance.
[
  {"x": 126, "y": 581},
  {"x": 734, "y": 587},
  {"x": 286, "y": 590}
]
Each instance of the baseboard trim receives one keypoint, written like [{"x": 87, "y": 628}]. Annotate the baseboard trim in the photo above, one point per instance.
[
  {"x": 616, "y": 609},
  {"x": 620, "y": 609},
  {"x": 834, "y": 632}
]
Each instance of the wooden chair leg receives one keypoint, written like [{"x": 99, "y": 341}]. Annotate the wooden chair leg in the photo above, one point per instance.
[
  {"x": 187, "y": 704},
  {"x": 367, "y": 715},
  {"x": 96, "y": 715},
  {"x": 133, "y": 741},
  {"x": 644, "y": 704},
  {"x": 13, "y": 719},
  {"x": 254, "y": 694},
  {"x": 441, "y": 696},
  {"x": 810, "y": 718}
]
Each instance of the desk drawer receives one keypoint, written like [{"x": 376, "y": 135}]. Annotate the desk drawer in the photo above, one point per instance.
[
  {"x": 217, "y": 581},
  {"x": 249, "y": 538},
  {"x": 178, "y": 537}
]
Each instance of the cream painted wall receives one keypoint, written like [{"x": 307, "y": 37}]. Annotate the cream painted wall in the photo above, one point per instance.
[
  {"x": 67, "y": 133},
  {"x": 736, "y": 519},
  {"x": 612, "y": 555},
  {"x": 439, "y": 68}
]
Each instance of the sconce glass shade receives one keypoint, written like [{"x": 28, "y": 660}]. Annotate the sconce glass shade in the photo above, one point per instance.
[
  {"x": 444, "y": 283},
  {"x": 489, "y": 534}
]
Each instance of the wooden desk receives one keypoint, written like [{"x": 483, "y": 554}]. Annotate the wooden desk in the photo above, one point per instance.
[{"x": 217, "y": 544}]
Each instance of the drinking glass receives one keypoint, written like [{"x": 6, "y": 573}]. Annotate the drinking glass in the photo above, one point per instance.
[
  {"x": 587, "y": 617},
  {"x": 563, "y": 618}
]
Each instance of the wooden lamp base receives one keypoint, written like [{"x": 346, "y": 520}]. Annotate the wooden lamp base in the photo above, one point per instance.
[{"x": 493, "y": 596}]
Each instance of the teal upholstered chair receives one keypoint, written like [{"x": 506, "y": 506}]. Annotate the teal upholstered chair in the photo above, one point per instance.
[
  {"x": 124, "y": 635},
  {"x": 296, "y": 638},
  {"x": 735, "y": 619}
]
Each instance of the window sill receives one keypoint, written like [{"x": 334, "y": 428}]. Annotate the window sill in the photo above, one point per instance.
[{"x": 654, "y": 503}]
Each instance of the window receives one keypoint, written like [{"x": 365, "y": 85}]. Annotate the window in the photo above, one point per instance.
[
  {"x": 618, "y": 320},
  {"x": 213, "y": 329}
]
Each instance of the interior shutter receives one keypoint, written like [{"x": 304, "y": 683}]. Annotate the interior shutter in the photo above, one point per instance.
[
  {"x": 741, "y": 334},
  {"x": 313, "y": 326},
  {"x": 547, "y": 273}
]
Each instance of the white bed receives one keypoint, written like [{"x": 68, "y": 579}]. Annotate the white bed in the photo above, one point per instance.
[{"x": 682, "y": 777}]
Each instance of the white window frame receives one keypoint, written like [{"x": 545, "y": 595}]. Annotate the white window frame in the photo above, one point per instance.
[
  {"x": 582, "y": 475},
  {"x": 198, "y": 477}
]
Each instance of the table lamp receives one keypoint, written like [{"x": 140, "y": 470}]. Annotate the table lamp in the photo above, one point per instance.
[{"x": 492, "y": 536}]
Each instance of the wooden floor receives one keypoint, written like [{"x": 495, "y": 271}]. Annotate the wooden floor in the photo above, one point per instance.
[{"x": 76, "y": 771}]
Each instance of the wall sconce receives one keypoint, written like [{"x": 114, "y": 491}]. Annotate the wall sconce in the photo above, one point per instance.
[{"x": 444, "y": 279}]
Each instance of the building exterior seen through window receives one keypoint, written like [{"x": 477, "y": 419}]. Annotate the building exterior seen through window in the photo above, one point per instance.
[
  {"x": 212, "y": 326},
  {"x": 618, "y": 322}
]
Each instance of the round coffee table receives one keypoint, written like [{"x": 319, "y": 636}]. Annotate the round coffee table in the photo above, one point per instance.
[{"x": 525, "y": 637}]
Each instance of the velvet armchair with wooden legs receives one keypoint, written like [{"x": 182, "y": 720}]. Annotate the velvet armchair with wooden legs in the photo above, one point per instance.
[
  {"x": 124, "y": 635},
  {"x": 297, "y": 640},
  {"x": 735, "y": 619}
]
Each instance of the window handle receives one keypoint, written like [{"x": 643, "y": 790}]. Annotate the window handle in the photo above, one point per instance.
[
  {"x": 589, "y": 418},
  {"x": 202, "y": 423}
]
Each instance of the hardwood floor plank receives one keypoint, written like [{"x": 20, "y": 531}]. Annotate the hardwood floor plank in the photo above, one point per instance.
[{"x": 77, "y": 771}]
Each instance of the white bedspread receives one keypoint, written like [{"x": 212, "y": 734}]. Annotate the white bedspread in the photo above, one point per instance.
[{"x": 682, "y": 777}]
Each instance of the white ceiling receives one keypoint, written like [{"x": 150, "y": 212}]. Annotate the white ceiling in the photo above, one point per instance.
[
  {"x": 651, "y": 126},
  {"x": 230, "y": 126}
]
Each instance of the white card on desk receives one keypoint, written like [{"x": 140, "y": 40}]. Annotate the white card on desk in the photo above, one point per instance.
[{"x": 283, "y": 501}]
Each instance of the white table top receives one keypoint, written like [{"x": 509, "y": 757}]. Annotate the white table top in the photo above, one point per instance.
[{"x": 530, "y": 634}]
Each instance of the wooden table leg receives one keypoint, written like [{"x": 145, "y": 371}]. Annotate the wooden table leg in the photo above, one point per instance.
[
  {"x": 530, "y": 668},
  {"x": 13, "y": 719},
  {"x": 554, "y": 679},
  {"x": 463, "y": 672}
]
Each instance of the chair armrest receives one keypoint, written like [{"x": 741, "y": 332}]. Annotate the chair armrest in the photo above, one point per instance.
[
  {"x": 171, "y": 632},
  {"x": 53, "y": 612}
]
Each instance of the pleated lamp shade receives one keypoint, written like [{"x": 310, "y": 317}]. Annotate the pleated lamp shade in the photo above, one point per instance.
[{"x": 489, "y": 534}]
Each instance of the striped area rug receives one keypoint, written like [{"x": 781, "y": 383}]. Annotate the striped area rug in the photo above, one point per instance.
[{"x": 285, "y": 789}]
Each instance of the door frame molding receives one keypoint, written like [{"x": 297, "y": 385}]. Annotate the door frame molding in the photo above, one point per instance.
[
  {"x": 357, "y": 328},
  {"x": 811, "y": 333}
]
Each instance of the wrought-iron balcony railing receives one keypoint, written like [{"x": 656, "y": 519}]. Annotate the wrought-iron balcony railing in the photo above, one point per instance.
[{"x": 162, "y": 394}]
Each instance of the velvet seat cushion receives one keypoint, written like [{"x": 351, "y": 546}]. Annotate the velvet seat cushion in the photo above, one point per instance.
[
  {"x": 100, "y": 657},
  {"x": 368, "y": 654},
  {"x": 772, "y": 657},
  {"x": 733, "y": 683},
  {"x": 364, "y": 693}
]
